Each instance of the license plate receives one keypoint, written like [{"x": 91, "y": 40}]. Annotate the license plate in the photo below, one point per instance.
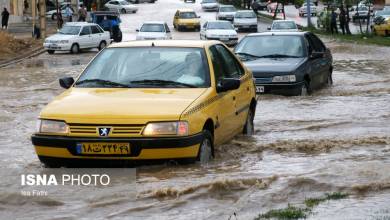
[
  {"x": 190, "y": 26},
  {"x": 103, "y": 148},
  {"x": 260, "y": 89},
  {"x": 53, "y": 46},
  {"x": 245, "y": 26},
  {"x": 224, "y": 39}
]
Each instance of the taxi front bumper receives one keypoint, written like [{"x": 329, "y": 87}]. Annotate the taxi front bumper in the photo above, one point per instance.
[{"x": 141, "y": 148}]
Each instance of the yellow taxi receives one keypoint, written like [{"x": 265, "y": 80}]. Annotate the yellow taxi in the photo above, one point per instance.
[
  {"x": 382, "y": 29},
  {"x": 146, "y": 100},
  {"x": 186, "y": 19}
]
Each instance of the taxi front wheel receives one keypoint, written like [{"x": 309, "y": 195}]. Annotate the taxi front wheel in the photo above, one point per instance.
[
  {"x": 249, "y": 128},
  {"x": 205, "y": 153}
]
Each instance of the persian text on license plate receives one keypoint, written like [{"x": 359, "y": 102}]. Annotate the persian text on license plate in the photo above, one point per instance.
[
  {"x": 260, "y": 89},
  {"x": 103, "y": 148}
]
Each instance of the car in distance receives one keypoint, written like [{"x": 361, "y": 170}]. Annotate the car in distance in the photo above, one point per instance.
[
  {"x": 359, "y": 13},
  {"x": 284, "y": 25},
  {"x": 287, "y": 63},
  {"x": 226, "y": 12},
  {"x": 141, "y": 1},
  {"x": 245, "y": 20},
  {"x": 205, "y": 96},
  {"x": 219, "y": 30},
  {"x": 98, "y": 17},
  {"x": 121, "y": 6},
  {"x": 260, "y": 5},
  {"x": 209, "y": 5},
  {"x": 193, "y": 1},
  {"x": 383, "y": 28},
  {"x": 186, "y": 19},
  {"x": 271, "y": 7},
  {"x": 74, "y": 36},
  {"x": 303, "y": 10},
  {"x": 154, "y": 30}
]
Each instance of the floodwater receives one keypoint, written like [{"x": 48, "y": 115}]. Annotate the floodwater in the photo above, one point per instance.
[{"x": 337, "y": 140}]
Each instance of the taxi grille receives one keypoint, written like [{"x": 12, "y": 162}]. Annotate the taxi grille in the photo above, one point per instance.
[{"x": 115, "y": 130}]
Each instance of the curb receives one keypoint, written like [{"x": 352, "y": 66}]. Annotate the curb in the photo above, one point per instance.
[{"x": 34, "y": 52}]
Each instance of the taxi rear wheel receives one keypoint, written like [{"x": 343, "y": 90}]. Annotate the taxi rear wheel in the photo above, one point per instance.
[{"x": 205, "y": 153}]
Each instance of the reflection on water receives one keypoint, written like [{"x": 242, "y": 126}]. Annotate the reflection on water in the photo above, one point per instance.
[{"x": 338, "y": 139}]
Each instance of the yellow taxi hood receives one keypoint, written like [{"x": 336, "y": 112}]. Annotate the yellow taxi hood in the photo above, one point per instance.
[{"x": 121, "y": 103}]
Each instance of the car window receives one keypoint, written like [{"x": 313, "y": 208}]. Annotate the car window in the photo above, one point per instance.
[
  {"x": 316, "y": 43},
  {"x": 152, "y": 28},
  {"x": 85, "y": 31},
  {"x": 177, "y": 14},
  {"x": 167, "y": 28},
  {"x": 95, "y": 30},
  {"x": 187, "y": 15},
  {"x": 231, "y": 67},
  {"x": 217, "y": 64}
]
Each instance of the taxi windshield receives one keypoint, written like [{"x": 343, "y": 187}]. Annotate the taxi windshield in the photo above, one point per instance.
[
  {"x": 187, "y": 15},
  {"x": 147, "y": 67}
]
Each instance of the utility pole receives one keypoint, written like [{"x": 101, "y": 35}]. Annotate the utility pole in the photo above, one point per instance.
[
  {"x": 33, "y": 14},
  {"x": 308, "y": 13},
  {"x": 42, "y": 18}
]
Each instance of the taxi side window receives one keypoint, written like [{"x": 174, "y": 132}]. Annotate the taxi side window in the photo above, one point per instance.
[
  {"x": 177, "y": 14},
  {"x": 232, "y": 68},
  {"x": 217, "y": 64}
]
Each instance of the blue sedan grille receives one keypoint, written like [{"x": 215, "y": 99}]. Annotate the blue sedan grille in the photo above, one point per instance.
[{"x": 264, "y": 80}]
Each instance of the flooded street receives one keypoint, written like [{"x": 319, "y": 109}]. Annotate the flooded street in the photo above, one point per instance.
[{"x": 336, "y": 140}]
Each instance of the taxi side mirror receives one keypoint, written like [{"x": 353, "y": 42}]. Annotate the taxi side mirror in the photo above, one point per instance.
[
  {"x": 66, "y": 82},
  {"x": 228, "y": 84}
]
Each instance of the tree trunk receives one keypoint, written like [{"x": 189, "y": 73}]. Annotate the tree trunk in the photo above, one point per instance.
[
  {"x": 368, "y": 18},
  {"x": 347, "y": 22}
]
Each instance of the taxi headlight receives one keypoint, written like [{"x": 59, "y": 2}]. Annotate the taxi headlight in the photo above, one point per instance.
[
  {"x": 285, "y": 78},
  {"x": 179, "y": 128},
  {"x": 51, "y": 126}
]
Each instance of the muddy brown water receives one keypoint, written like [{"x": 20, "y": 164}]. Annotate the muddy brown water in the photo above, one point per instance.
[{"x": 337, "y": 140}]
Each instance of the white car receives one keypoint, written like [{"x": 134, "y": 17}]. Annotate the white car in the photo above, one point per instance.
[
  {"x": 53, "y": 13},
  {"x": 303, "y": 9},
  {"x": 226, "y": 12},
  {"x": 284, "y": 25},
  {"x": 154, "y": 30},
  {"x": 209, "y": 5},
  {"x": 75, "y": 36},
  {"x": 121, "y": 6},
  {"x": 245, "y": 19},
  {"x": 219, "y": 30}
]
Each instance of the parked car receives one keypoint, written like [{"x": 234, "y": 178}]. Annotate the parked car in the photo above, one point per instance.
[
  {"x": 75, "y": 36},
  {"x": 271, "y": 7},
  {"x": 193, "y": 1},
  {"x": 381, "y": 13},
  {"x": 186, "y": 19},
  {"x": 141, "y": 1},
  {"x": 185, "y": 99},
  {"x": 209, "y": 5},
  {"x": 226, "y": 12},
  {"x": 53, "y": 12},
  {"x": 358, "y": 13},
  {"x": 303, "y": 10},
  {"x": 97, "y": 17},
  {"x": 219, "y": 30},
  {"x": 154, "y": 30},
  {"x": 284, "y": 25},
  {"x": 287, "y": 63},
  {"x": 383, "y": 28},
  {"x": 245, "y": 20},
  {"x": 121, "y": 6},
  {"x": 260, "y": 4}
]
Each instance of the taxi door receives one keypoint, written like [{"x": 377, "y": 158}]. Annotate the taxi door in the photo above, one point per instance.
[
  {"x": 225, "y": 113},
  {"x": 241, "y": 96}
]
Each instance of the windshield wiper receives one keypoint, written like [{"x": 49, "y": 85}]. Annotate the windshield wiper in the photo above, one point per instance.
[
  {"x": 162, "y": 82},
  {"x": 247, "y": 55},
  {"x": 103, "y": 82},
  {"x": 278, "y": 56}
]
